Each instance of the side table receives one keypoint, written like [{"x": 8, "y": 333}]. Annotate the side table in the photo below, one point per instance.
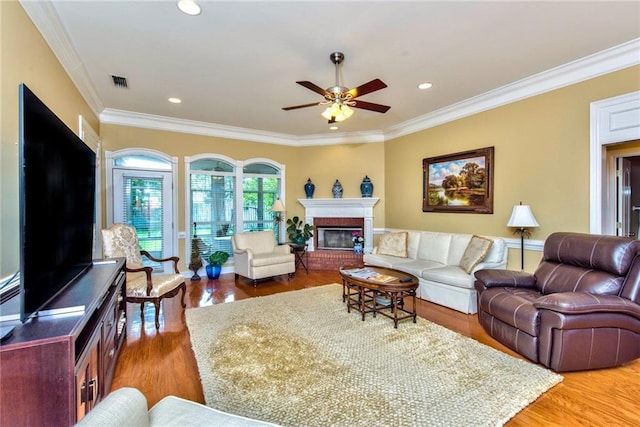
[{"x": 302, "y": 256}]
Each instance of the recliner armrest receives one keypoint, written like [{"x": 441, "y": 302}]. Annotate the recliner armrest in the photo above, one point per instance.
[
  {"x": 504, "y": 278},
  {"x": 583, "y": 303}
]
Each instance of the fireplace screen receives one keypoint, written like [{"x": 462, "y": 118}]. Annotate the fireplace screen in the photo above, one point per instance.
[{"x": 336, "y": 238}]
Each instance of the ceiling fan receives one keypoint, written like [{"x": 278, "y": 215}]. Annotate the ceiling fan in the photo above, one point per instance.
[{"x": 339, "y": 99}]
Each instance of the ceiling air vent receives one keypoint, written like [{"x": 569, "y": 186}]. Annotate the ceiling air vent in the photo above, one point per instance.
[{"x": 119, "y": 81}]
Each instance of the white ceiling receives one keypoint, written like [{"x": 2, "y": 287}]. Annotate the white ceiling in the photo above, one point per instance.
[{"x": 235, "y": 65}]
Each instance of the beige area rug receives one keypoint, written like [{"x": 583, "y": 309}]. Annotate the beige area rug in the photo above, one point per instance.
[{"x": 299, "y": 359}]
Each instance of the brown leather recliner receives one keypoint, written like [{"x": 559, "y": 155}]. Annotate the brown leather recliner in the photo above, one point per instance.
[{"x": 579, "y": 310}]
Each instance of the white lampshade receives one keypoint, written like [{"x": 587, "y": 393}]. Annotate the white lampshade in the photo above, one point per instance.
[
  {"x": 522, "y": 217},
  {"x": 278, "y": 206}
]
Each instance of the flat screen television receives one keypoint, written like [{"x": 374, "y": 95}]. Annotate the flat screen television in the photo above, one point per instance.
[{"x": 57, "y": 204}]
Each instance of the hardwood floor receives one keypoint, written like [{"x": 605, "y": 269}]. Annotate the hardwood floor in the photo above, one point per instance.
[{"x": 161, "y": 363}]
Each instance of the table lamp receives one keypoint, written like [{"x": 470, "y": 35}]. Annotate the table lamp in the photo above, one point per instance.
[
  {"x": 521, "y": 218},
  {"x": 279, "y": 209}
]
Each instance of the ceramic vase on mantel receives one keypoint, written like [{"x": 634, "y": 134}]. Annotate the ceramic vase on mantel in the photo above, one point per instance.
[
  {"x": 366, "y": 188},
  {"x": 309, "y": 188},
  {"x": 337, "y": 190},
  {"x": 357, "y": 248}
]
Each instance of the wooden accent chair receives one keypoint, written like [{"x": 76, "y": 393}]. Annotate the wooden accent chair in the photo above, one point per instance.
[
  {"x": 121, "y": 240},
  {"x": 256, "y": 256}
]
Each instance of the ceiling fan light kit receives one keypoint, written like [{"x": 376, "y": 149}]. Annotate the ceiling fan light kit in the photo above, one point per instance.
[{"x": 341, "y": 99}]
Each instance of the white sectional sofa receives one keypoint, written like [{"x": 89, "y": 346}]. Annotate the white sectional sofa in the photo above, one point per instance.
[{"x": 444, "y": 263}]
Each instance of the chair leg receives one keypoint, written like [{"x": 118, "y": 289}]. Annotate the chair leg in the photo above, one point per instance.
[
  {"x": 184, "y": 291},
  {"x": 157, "y": 304},
  {"x": 142, "y": 311}
]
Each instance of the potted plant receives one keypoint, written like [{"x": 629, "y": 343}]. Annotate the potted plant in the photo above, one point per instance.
[
  {"x": 216, "y": 260},
  {"x": 298, "y": 231}
]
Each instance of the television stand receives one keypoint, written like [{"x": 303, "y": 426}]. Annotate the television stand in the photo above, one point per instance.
[
  {"x": 6, "y": 332},
  {"x": 55, "y": 368}
]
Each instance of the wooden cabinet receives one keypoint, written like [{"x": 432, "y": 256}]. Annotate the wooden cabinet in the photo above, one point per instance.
[{"x": 57, "y": 366}]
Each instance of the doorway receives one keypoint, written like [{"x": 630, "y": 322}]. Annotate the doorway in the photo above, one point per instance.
[
  {"x": 629, "y": 196},
  {"x": 141, "y": 193},
  {"x": 623, "y": 182}
]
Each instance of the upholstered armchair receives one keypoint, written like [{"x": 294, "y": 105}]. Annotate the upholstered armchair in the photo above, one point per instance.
[
  {"x": 121, "y": 240},
  {"x": 579, "y": 310},
  {"x": 256, "y": 256}
]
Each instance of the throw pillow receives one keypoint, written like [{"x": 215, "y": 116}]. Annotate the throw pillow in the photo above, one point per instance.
[
  {"x": 394, "y": 244},
  {"x": 477, "y": 249}
]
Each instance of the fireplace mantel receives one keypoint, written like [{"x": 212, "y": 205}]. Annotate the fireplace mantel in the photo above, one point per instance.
[{"x": 342, "y": 208}]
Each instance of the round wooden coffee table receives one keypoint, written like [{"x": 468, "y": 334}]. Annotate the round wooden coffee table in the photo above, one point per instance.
[{"x": 370, "y": 289}]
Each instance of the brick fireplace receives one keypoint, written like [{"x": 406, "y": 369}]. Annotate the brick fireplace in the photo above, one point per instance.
[{"x": 345, "y": 213}]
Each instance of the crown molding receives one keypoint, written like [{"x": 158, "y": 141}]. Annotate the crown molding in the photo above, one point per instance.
[
  {"x": 45, "y": 18},
  {"x": 607, "y": 61},
  {"x": 169, "y": 124}
]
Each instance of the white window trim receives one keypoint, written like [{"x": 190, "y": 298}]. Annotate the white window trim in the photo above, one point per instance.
[{"x": 239, "y": 174}]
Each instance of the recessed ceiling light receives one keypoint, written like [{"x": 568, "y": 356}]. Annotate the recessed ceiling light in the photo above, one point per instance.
[
  {"x": 333, "y": 128},
  {"x": 175, "y": 100},
  {"x": 425, "y": 85},
  {"x": 190, "y": 7}
]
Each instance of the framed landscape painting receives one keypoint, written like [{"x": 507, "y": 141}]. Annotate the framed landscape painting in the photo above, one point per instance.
[{"x": 459, "y": 182}]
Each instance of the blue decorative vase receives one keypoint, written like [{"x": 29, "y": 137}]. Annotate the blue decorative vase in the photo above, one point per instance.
[
  {"x": 366, "y": 188},
  {"x": 337, "y": 190},
  {"x": 213, "y": 271},
  {"x": 357, "y": 248},
  {"x": 309, "y": 188}
]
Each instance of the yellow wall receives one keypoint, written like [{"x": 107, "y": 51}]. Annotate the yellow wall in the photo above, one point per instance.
[
  {"x": 541, "y": 158},
  {"x": 26, "y": 58},
  {"x": 541, "y": 151},
  {"x": 348, "y": 163}
]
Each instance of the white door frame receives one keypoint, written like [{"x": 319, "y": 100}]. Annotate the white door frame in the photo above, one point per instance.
[
  {"x": 613, "y": 120},
  {"x": 173, "y": 161}
]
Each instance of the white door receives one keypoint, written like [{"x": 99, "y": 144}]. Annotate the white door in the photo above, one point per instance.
[{"x": 143, "y": 199}]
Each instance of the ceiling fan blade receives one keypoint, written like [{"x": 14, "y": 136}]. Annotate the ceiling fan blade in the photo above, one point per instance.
[
  {"x": 313, "y": 87},
  {"x": 366, "y": 88},
  {"x": 370, "y": 106},
  {"x": 295, "y": 107}
]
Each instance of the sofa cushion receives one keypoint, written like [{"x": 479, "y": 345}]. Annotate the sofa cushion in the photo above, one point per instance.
[
  {"x": 416, "y": 267},
  {"x": 394, "y": 244},
  {"x": 260, "y": 260},
  {"x": 476, "y": 251},
  {"x": 459, "y": 243},
  {"x": 449, "y": 275},
  {"x": 434, "y": 247},
  {"x": 413, "y": 241},
  {"x": 497, "y": 252},
  {"x": 384, "y": 260}
]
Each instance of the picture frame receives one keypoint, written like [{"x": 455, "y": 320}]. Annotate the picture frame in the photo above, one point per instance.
[{"x": 459, "y": 183}]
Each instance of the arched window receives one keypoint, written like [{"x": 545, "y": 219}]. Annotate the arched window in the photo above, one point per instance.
[{"x": 225, "y": 196}]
